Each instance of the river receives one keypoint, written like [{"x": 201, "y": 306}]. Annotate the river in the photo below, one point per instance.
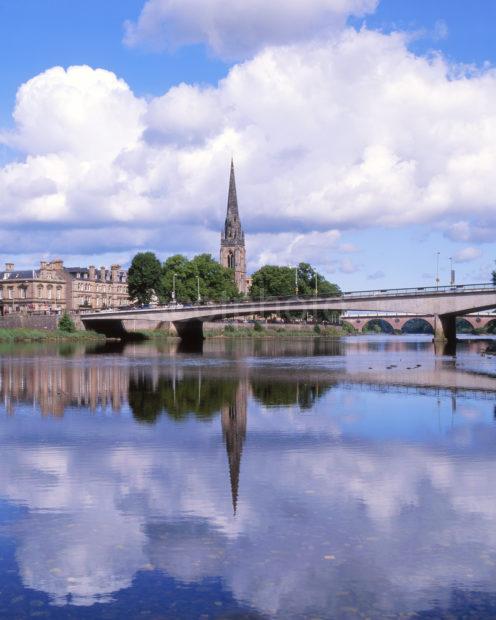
[{"x": 274, "y": 479}]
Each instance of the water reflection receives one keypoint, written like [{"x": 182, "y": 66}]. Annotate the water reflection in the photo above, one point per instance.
[{"x": 239, "y": 483}]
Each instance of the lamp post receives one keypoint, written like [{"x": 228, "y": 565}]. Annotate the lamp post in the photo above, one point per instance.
[
  {"x": 316, "y": 285},
  {"x": 296, "y": 281},
  {"x": 198, "y": 289},
  {"x": 174, "y": 286},
  {"x": 437, "y": 269},
  {"x": 452, "y": 272}
]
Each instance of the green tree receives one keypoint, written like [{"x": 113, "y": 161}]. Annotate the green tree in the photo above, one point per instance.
[
  {"x": 66, "y": 324},
  {"x": 144, "y": 277},
  {"x": 277, "y": 281},
  {"x": 493, "y": 275},
  {"x": 215, "y": 281}
]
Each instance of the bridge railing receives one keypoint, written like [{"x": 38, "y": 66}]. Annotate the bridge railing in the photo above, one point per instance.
[{"x": 394, "y": 292}]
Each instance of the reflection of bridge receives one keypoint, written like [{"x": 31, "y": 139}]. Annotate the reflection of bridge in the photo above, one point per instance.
[
  {"x": 397, "y": 322},
  {"x": 443, "y": 303}
]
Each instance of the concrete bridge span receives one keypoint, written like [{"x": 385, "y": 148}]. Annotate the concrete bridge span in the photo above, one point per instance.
[{"x": 443, "y": 304}]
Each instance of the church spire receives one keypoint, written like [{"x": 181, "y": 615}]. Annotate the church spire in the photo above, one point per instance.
[
  {"x": 232, "y": 227},
  {"x": 232, "y": 199},
  {"x": 232, "y": 241}
]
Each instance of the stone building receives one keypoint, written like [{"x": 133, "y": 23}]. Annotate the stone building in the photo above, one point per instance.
[
  {"x": 232, "y": 243},
  {"x": 54, "y": 288}
]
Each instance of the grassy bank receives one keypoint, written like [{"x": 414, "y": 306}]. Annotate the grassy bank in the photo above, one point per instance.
[
  {"x": 21, "y": 334},
  {"x": 274, "y": 332}
]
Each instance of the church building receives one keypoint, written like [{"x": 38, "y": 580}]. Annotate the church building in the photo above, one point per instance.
[{"x": 232, "y": 243}]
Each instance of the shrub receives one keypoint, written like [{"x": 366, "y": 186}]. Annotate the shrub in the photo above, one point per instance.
[
  {"x": 258, "y": 327},
  {"x": 316, "y": 328},
  {"x": 66, "y": 324}
]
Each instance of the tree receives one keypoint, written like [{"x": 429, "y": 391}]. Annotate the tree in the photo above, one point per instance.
[
  {"x": 66, "y": 324},
  {"x": 144, "y": 277},
  {"x": 277, "y": 281},
  {"x": 215, "y": 281},
  {"x": 493, "y": 275}
]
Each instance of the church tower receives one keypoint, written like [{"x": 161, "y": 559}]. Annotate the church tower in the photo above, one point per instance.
[{"x": 232, "y": 243}]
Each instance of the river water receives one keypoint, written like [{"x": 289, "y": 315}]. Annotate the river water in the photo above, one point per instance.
[{"x": 255, "y": 479}]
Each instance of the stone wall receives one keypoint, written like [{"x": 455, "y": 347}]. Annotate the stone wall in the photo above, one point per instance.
[{"x": 30, "y": 322}]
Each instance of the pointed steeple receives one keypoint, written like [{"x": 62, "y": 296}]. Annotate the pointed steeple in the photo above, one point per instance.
[
  {"x": 232, "y": 227},
  {"x": 232, "y": 240},
  {"x": 232, "y": 199}
]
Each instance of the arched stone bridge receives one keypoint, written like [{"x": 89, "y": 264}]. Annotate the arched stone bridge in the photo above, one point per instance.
[
  {"x": 397, "y": 321},
  {"x": 444, "y": 304}
]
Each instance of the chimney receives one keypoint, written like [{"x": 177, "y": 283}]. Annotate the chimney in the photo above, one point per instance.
[
  {"x": 9, "y": 267},
  {"x": 115, "y": 272},
  {"x": 103, "y": 272},
  {"x": 92, "y": 271},
  {"x": 57, "y": 264}
]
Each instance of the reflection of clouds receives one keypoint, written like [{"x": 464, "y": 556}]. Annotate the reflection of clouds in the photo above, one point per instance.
[{"x": 321, "y": 512}]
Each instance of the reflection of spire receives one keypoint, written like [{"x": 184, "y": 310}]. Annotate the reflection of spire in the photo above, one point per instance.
[{"x": 234, "y": 430}]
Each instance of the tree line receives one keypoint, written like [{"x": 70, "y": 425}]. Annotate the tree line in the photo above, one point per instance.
[{"x": 202, "y": 279}]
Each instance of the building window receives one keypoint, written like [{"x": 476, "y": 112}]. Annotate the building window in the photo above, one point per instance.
[
  {"x": 23, "y": 293},
  {"x": 11, "y": 294},
  {"x": 59, "y": 294},
  {"x": 49, "y": 293}
]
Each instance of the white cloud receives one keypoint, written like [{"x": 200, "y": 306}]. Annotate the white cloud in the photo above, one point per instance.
[
  {"x": 239, "y": 28},
  {"x": 466, "y": 255},
  {"x": 346, "y": 265},
  {"x": 352, "y": 132}
]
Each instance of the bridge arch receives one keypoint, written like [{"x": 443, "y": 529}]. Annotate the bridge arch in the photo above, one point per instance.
[
  {"x": 384, "y": 325},
  {"x": 417, "y": 320}
]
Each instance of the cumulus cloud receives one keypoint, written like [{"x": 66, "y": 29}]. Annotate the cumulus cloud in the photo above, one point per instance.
[
  {"x": 328, "y": 135},
  {"x": 239, "y": 28},
  {"x": 466, "y": 255}
]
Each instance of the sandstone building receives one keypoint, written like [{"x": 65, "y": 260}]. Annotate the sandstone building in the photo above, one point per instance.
[
  {"x": 54, "y": 288},
  {"x": 232, "y": 243}
]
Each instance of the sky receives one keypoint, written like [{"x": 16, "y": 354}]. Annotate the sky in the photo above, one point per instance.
[{"x": 363, "y": 133}]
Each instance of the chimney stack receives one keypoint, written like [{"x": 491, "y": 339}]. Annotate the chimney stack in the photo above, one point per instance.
[
  {"x": 103, "y": 273},
  {"x": 115, "y": 272},
  {"x": 92, "y": 272},
  {"x": 9, "y": 267}
]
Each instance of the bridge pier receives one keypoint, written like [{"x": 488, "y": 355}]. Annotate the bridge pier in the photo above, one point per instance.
[
  {"x": 190, "y": 331},
  {"x": 445, "y": 328}
]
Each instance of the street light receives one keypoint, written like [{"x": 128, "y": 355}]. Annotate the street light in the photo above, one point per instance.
[
  {"x": 198, "y": 289},
  {"x": 174, "y": 286},
  {"x": 452, "y": 272},
  {"x": 316, "y": 285},
  {"x": 437, "y": 269},
  {"x": 296, "y": 281}
]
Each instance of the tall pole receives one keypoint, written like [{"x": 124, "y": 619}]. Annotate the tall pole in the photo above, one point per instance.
[
  {"x": 296, "y": 281},
  {"x": 437, "y": 269},
  {"x": 452, "y": 273},
  {"x": 174, "y": 286},
  {"x": 198, "y": 288},
  {"x": 316, "y": 285}
]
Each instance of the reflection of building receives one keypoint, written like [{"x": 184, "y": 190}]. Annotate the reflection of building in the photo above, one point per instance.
[
  {"x": 233, "y": 419},
  {"x": 232, "y": 243},
  {"x": 54, "y": 288},
  {"x": 54, "y": 386}
]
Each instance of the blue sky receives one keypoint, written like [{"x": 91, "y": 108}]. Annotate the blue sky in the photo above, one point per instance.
[{"x": 298, "y": 195}]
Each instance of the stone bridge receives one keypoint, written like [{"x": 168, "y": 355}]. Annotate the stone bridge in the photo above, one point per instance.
[
  {"x": 398, "y": 321},
  {"x": 443, "y": 304}
]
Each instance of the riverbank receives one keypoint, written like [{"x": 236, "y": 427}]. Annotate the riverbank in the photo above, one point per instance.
[{"x": 23, "y": 334}]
